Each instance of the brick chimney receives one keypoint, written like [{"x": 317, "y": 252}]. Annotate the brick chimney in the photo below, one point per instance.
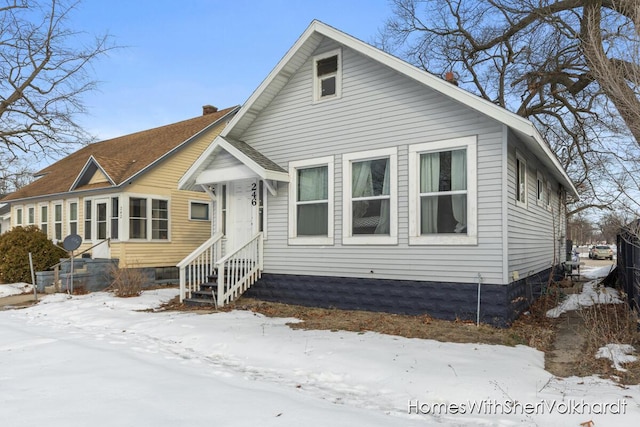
[
  {"x": 451, "y": 78},
  {"x": 208, "y": 109}
]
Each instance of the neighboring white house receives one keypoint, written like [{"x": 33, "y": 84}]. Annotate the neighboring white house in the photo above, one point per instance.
[
  {"x": 370, "y": 184},
  {"x": 5, "y": 217}
]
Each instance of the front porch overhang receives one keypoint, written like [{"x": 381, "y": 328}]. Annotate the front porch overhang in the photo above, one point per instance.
[{"x": 252, "y": 164}]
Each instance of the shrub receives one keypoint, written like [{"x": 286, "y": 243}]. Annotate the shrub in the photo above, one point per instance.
[
  {"x": 15, "y": 246},
  {"x": 126, "y": 282}
]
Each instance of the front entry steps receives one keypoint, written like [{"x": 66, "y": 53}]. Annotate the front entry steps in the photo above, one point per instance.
[{"x": 206, "y": 294}]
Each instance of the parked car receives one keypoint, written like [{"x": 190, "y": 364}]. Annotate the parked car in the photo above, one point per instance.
[{"x": 601, "y": 252}]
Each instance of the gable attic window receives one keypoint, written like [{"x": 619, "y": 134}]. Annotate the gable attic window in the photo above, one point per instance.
[{"x": 327, "y": 76}]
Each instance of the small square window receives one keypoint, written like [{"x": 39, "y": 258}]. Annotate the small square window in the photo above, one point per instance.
[{"x": 199, "y": 211}]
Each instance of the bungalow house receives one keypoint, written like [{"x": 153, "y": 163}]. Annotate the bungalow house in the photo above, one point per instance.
[
  {"x": 120, "y": 195},
  {"x": 352, "y": 179}
]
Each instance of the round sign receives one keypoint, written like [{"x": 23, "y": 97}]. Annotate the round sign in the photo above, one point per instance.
[{"x": 72, "y": 242}]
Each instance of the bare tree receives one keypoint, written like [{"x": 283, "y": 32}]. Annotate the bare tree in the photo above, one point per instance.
[
  {"x": 43, "y": 75},
  {"x": 563, "y": 64}
]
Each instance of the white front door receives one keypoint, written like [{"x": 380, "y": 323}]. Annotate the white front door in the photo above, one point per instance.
[
  {"x": 100, "y": 228},
  {"x": 242, "y": 209}
]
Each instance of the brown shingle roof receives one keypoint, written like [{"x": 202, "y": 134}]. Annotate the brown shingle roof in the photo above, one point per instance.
[{"x": 120, "y": 158}]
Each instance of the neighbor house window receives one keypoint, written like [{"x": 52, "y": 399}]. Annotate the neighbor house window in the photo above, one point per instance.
[
  {"x": 72, "y": 210},
  {"x": 370, "y": 197},
  {"x": 57, "y": 221},
  {"x": 148, "y": 218},
  {"x": 31, "y": 215},
  {"x": 137, "y": 218},
  {"x": 44, "y": 219},
  {"x": 311, "y": 201},
  {"x": 327, "y": 76},
  {"x": 115, "y": 216},
  {"x": 159, "y": 219},
  {"x": 199, "y": 211},
  {"x": 87, "y": 219},
  {"x": 442, "y": 192},
  {"x": 18, "y": 216},
  {"x": 521, "y": 181}
]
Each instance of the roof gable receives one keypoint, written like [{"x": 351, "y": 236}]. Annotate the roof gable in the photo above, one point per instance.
[
  {"x": 119, "y": 159},
  {"x": 313, "y": 36},
  {"x": 92, "y": 173},
  {"x": 249, "y": 162}
]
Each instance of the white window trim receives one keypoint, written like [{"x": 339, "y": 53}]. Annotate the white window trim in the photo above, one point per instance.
[
  {"x": 200, "y": 202},
  {"x": 549, "y": 195},
  {"x": 540, "y": 188},
  {"x": 124, "y": 228},
  {"x": 471, "y": 238},
  {"x": 523, "y": 162},
  {"x": 44, "y": 221},
  {"x": 293, "y": 184},
  {"x": 347, "y": 205},
  {"x": 317, "y": 92},
  {"x": 26, "y": 219},
  {"x": 77, "y": 221},
  {"x": 20, "y": 217},
  {"x": 54, "y": 222}
]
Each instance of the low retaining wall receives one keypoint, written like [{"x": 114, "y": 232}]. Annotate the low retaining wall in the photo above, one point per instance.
[{"x": 88, "y": 274}]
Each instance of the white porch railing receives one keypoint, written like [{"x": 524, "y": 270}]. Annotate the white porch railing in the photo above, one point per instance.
[
  {"x": 239, "y": 270},
  {"x": 199, "y": 264}
]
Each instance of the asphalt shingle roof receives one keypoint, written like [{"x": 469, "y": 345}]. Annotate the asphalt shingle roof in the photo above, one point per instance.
[{"x": 120, "y": 158}]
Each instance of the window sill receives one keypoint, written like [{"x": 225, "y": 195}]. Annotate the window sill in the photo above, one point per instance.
[
  {"x": 443, "y": 239},
  {"x": 369, "y": 240},
  {"x": 312, "y": 241}
]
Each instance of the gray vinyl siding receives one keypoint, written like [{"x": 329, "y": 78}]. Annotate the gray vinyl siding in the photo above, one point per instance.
[
  {"x": 379, "y": 108},
  {"x": 536, "y": 234}
]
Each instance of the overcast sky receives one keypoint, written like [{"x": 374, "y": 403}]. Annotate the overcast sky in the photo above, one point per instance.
[{"x": 182, "y": 55}]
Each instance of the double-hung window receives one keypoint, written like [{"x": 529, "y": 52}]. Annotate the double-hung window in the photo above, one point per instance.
[
  {"x": 521, "y": 181},
  {"x": 327, "y": 76},
  {"x": 87, "y": 219},
  {"x": 159, "y": 219},
  {"x": 31, "y": 215},
  {"x": 57, "y": 221},
  {"x": 311, "y": 202},
  {"x": 370, "y": 197},
  {"x": 137, "y": 218},
  {"x": 442, "y": 192},
  {"x": 72, "y": 215},
  {"x": 540, "y": 189},
  {"x": 44, "y": 219},
  {"x": 18, "y": 216},
  {"x": 148, "y": 218}
]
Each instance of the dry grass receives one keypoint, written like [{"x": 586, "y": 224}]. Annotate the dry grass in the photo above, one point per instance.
[
  {"x": 609, "y": 324},
  {"x": 528, "y": 330}
]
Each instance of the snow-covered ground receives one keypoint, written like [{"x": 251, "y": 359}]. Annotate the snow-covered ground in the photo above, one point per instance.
[
  {"x": 15, "y": 289},
  {"x": 101, "y": 361}
]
